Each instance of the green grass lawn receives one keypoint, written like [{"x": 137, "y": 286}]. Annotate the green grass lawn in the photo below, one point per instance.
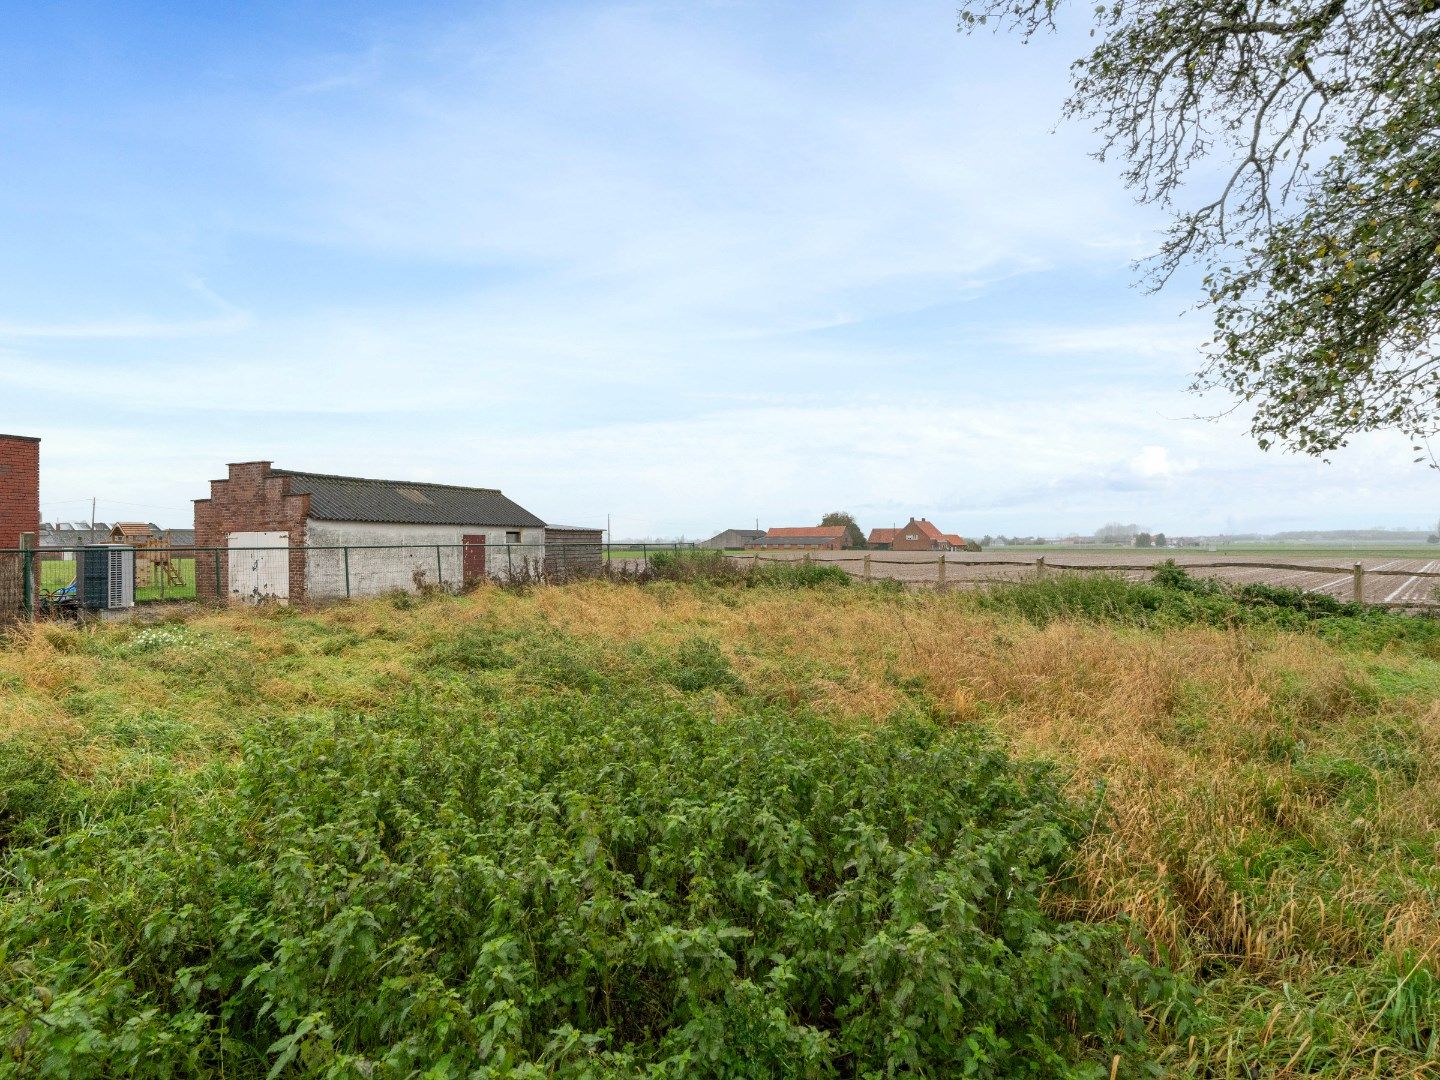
[
  {"x": 57, "y": 574},
  {"x": 637, "y": 551},
  {"x": 162, "y": 589}
]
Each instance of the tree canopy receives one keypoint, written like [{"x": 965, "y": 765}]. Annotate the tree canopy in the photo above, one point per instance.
[
  {"x": 854, "y": 537},
  {"x": 1319, "y": 235}
]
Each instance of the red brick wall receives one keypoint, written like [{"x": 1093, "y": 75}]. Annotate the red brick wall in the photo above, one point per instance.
[
  {"x": 250, "y": 499},
  {"x": 920, "y": 543},
  {"x": 19, "y": 513},
  {"x": 19, "y": 488}
]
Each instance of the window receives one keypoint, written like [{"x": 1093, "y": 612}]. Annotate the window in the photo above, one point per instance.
[
  {"x": 911, "y": 536},
  {"x": 513, "y": 536}
]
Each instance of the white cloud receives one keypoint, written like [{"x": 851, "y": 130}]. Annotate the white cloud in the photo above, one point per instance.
[
  {"x": 1152, "y": 461},
  {"x": 698, "y": 264}
]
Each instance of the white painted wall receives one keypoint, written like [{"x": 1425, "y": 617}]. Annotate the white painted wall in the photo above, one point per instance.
[
  {"x": 256, "y": 574},
  {"x": 376, "y": 569}
]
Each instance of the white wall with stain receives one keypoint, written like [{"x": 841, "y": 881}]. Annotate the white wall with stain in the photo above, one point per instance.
[{"x": 385, "y": 557}]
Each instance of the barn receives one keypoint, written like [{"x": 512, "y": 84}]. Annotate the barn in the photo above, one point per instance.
[
  {"x": 732, "y": 539},
  {"x": 290, "y": 536},
  {"x": 813, "y": 537}
]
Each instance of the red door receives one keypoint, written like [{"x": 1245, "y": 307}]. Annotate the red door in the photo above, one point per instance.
[{"x": 473, "y": 566}]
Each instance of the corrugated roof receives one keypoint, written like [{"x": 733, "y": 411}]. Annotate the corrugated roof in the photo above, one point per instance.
[{"x": 399, "y": 502}]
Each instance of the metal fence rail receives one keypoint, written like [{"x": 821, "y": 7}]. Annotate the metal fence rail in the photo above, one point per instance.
[
  {"x": 44, "y": 581},
  {"x": 1357, "y": 576}
]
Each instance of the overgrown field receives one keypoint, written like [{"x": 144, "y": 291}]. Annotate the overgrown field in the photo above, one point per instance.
[{"x": 748, "y": 828}]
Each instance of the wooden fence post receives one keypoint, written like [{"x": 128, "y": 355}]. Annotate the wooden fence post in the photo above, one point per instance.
[
  {"x": 1359, "y": 574},
  {"x": 940, "y": 577},
  {"x": 867, "y": 568},
  {"x": 1040, "y": 567}
]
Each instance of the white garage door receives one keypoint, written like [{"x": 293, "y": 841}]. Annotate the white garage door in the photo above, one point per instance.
[{"x": 258, "y": 571}]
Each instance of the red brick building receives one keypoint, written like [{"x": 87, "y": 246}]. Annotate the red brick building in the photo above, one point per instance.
[
  {"x": 19, "y": 489},
  {"x": 918, "y": 534},
  {"x": 809, "y": 537},
  {"x": 19, "y": 515}
]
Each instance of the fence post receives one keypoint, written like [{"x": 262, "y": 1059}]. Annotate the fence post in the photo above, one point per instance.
[
  {"x": 867, "y": 568},
  {"x": 940, "y": 578},
  {"x": 439, "y": 569},
  {"x": 27, "y": 567},
  {"x": 1359, "y": 575},
  {"x": 1040, "y": 567},
  {"x": 215, "y": 558},
  {"x": 346, "y": 551}
]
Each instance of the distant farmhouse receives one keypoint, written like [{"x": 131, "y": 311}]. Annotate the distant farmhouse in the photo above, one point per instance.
[
  {"x": 918, "y": 534},
  {"x": 399, "y": 535},
  {"x": 810, "y": 537},
  {"x": 733, "y": 538}
]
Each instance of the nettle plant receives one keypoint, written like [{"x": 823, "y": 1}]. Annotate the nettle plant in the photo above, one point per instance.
[{"x": 578, "y": 884}]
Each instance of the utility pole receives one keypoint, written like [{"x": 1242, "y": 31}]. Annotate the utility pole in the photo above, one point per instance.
[{"x": 91, "y": 538}]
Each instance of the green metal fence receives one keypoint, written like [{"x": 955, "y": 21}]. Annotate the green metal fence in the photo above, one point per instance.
[{"x": 43, "y": 582}]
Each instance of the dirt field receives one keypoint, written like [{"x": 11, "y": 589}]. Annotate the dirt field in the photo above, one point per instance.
[{"x": 1395, "y": 582}]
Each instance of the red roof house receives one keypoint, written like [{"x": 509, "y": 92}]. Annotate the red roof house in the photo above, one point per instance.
[{"x": 918, "y": 534}]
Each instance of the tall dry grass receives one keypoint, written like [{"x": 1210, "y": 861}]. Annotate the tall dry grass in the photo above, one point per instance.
[{"x": 1267, "y": 810}]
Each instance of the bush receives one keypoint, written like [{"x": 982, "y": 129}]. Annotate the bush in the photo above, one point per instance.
[
  {"x": 699, "y": 564},
  {"x": 703, "y": 565},
  {"x": 794, "y": 574},
  {"x": 571, "y": 887},
  {"x": 698, "y": 664},
  {"x": 1174, "y": 598}
]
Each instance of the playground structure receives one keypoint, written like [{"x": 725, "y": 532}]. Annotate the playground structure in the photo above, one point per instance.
[{"x": 154, "y": 562}]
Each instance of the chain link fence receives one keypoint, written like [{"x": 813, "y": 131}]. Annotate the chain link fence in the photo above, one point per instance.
[{"x": 61, "y": 582}]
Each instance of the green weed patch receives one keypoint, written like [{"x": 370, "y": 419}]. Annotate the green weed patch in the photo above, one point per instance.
[{"x": 569, "y": 888}]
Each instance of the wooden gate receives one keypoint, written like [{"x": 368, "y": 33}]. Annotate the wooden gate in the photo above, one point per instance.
[{"x": 473, "y": 563}]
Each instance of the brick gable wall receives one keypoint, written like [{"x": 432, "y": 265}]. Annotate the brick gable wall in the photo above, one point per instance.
[
  {"x": 250, "y": 499},
  {"x": 19, "y": 488},
  {"x": 19, "y": 514},
  {"x": 920, "y": 543}
]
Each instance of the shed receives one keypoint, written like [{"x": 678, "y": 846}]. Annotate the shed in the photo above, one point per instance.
[
  {"x": 732, "y": 539},
  {"x": 290, "y": 535},
  {"x": 573, "y": 551}
]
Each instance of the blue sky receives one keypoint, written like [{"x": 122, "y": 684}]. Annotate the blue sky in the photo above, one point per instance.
[{"x": 689, "y": 264}]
